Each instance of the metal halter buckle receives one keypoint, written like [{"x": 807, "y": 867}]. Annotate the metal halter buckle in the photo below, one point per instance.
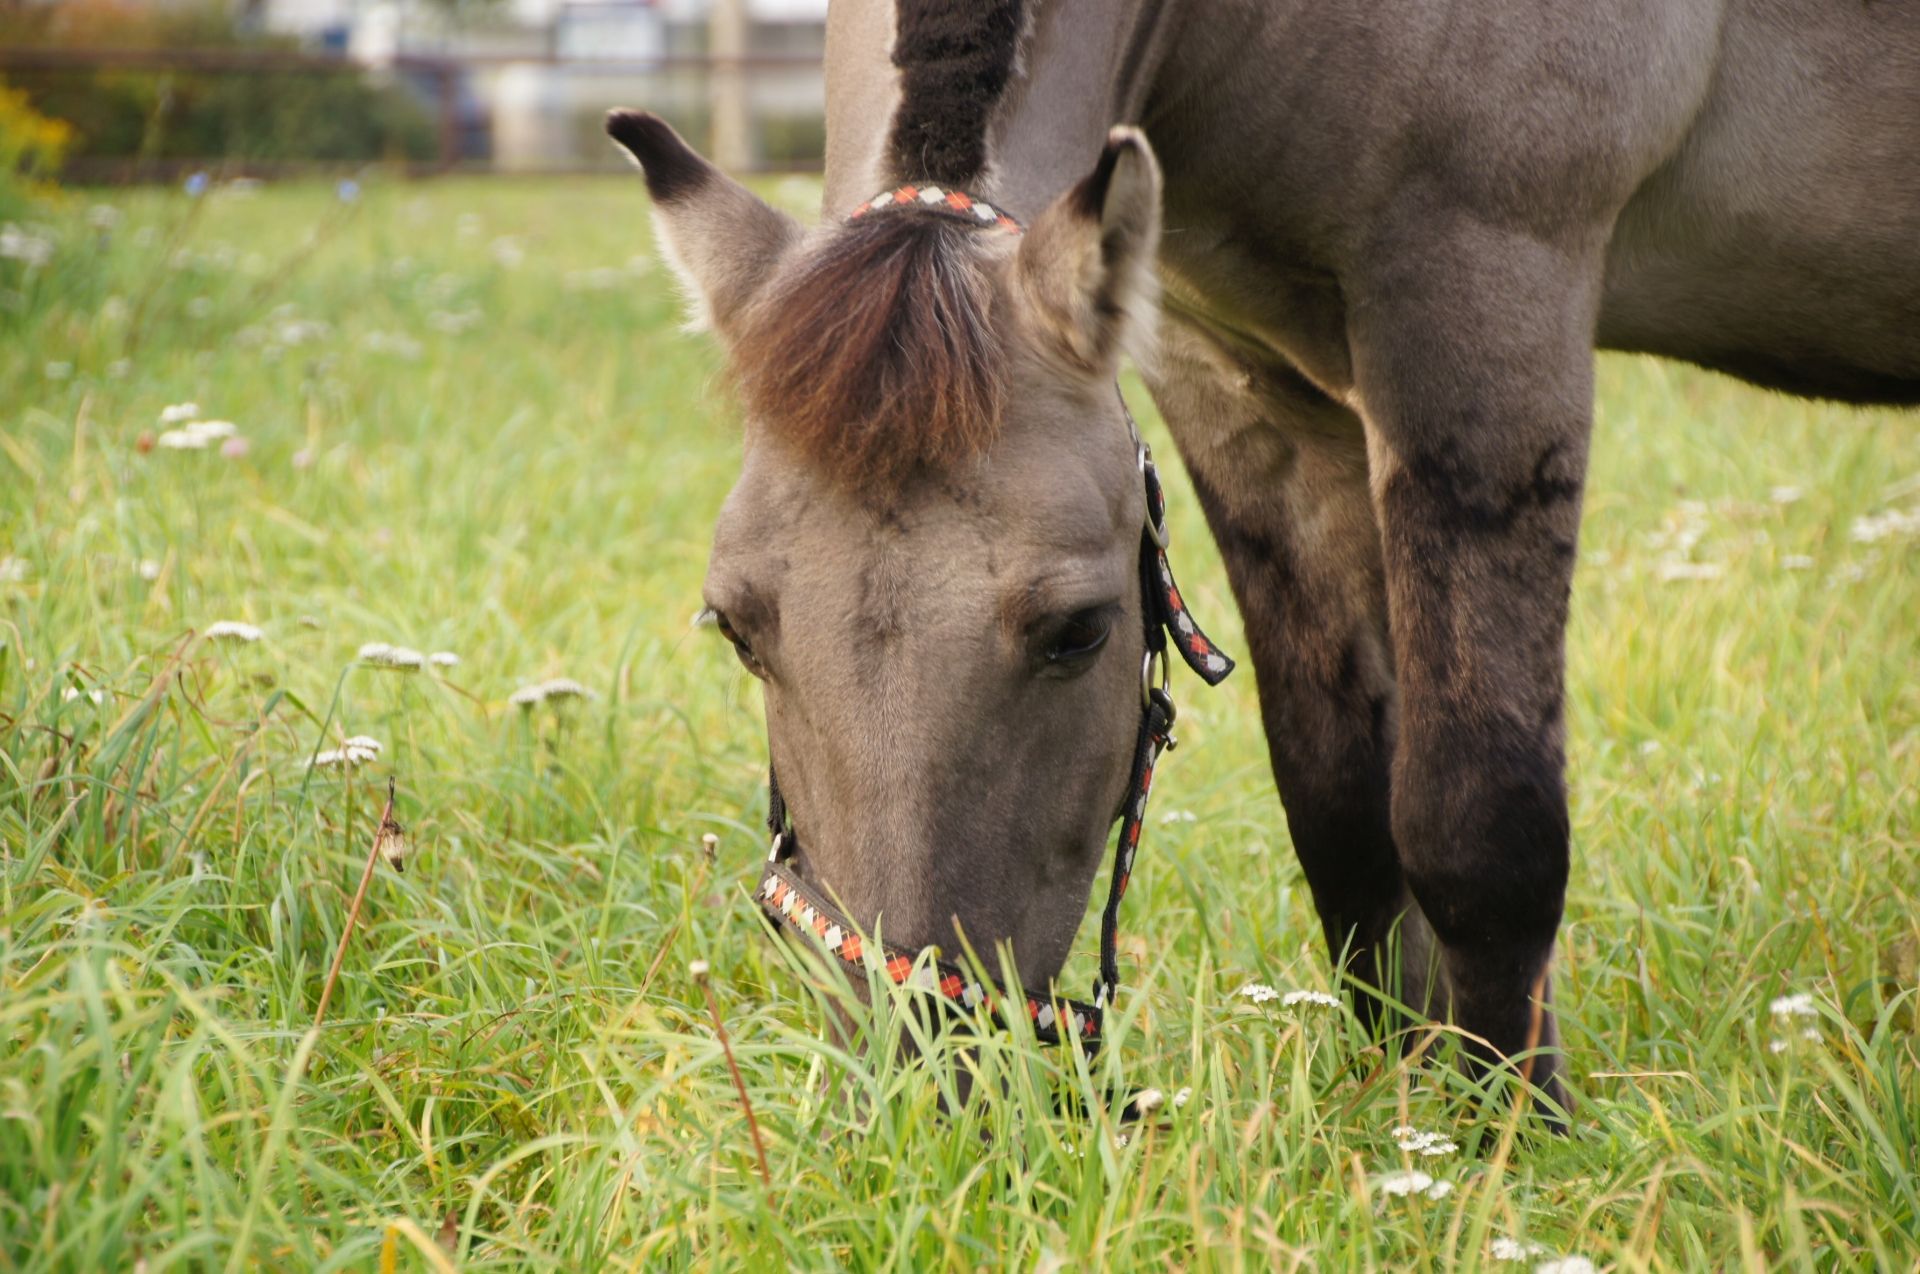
[
  {"x": 1156, "y": 531},
  {"x": 1153, "y": 659}
]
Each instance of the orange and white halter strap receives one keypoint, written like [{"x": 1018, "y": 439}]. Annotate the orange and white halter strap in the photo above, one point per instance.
[{"x": 956, "y": 204}]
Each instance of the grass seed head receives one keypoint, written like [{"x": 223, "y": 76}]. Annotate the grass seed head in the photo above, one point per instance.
[{"x": 393, "y": 845}]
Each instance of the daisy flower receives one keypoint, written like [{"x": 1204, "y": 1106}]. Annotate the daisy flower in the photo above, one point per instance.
[
  {"x": 1409, "y": 1182},
  {"x": 385, "y": 655},
  {"x": 1416, "y": 1142},
  {"x": 1312, "y": 999}
]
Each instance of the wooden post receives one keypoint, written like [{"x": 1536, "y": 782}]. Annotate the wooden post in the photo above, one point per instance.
[
  {"x": 727, "y": 85},
  {"x": 449, "y": 102}
]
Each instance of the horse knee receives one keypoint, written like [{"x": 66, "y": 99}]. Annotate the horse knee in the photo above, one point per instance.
[{"x": 1483, "y": 838}]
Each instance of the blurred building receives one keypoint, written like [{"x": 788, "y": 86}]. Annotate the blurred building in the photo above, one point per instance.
[{"x": 530, "y": 79}]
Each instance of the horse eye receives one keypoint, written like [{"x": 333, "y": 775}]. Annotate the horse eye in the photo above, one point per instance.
[
  {"x": 741, "y": 646},
  {"x": 1084, "y": 633}
]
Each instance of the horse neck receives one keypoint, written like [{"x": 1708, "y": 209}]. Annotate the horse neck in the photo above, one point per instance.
[{"x": 1084, "y": 66}]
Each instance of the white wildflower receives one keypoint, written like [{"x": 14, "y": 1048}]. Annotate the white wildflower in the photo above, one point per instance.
[
  {"x": 361, "y": 749},
  {"x": 507, "y": 251},
  {"x": 1182, "y": 1097},
  {"x": 1121, "y": 1140},
  {"x": 1412, "y": 1181},
  {"x": 453, "y": 322},
  {"x": 233, "y": 630},
  {"x": 197, "y": 435},
  {"x": 103, "y": 216},
  {"x": 399, "y": 344},
  {"x": 298, "y": 331},
  {"x": 1565, "y": 1265},
  {"x": 1797, "y": 562},
  {"x": 1311, "y": 999},
  {"x": 1776, "y": 1045},
  {"x": 1891, "y": 524},
  {"x": 14, "y": 570},
  {"x": 1148, "y": 1100},
  {"x": 1178, "y": 816},
  {"x": 1258, "y": 992},
  {"x": 147, "y": 569},
  {"x": 1672, "y": 570},
  {"x": 24, "y": 245},
  {"x": 94, "y": 697},
  {"x": 1785, "y": 495},
  {"x": 1797, "y": 1005},
  {"x": 1430, "y": 1144},
  {"x": 384, "y": 655},
  {"x": 1810, "y": 1033},
  {"x": 1506, "y": 1249},
  {"x": 444, "y": 659},
  {"x": 554, "y": 688}
]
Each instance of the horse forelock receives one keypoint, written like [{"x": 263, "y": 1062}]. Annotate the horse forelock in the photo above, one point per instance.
[{"x": 875, "y": 353}]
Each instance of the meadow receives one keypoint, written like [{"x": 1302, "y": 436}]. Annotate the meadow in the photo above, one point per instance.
[{"x": 463, "y": 421}]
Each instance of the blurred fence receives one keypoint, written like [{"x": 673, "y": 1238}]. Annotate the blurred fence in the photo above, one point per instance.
[{"x": 153, "y": 114}]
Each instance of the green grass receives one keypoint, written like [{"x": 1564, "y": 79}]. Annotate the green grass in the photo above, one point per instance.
[{"x": 490, "y": 450}]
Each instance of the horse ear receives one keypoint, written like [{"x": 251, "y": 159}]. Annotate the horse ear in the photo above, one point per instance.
[
  {"x": 720, "y": 238},
  {"x": 1085, "y": 268}
]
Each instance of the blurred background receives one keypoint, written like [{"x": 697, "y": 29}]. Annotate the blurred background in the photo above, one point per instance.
[{"x": 121, "y": 91}]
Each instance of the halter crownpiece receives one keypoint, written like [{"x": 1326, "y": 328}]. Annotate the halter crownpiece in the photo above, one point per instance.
[
  {"x": 956, "y": 205},
  {"x": 791, "y": 903}
]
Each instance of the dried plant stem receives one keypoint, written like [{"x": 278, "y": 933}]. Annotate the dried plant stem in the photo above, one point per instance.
[
  {"x": 739, "y": 1085},
  {"x": 353, "y": 912}
]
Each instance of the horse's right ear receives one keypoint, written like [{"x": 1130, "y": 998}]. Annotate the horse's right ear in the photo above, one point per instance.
[
  {"x": 720, "y": 238},
  {"x": 1086, "y": 268}
]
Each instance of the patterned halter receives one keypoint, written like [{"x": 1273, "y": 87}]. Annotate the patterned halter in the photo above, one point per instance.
[
  {"x": 956, "y": 205},
  {"x": 794, "y": 904}
]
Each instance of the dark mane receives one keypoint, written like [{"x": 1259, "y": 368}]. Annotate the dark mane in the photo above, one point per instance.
[
  {"x": 874, "y": 353},
  {"x": 955, "y": 58}
]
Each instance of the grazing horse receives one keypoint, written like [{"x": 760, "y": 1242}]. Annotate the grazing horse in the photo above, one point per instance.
[{"x": 1382, "y": 239}]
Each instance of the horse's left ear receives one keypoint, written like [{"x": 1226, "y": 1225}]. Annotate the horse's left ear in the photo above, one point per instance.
[
  {"x": 720, "y": 238},
  {"x": 1085, "y": 268}
]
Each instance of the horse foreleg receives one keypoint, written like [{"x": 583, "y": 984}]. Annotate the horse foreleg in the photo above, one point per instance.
[
  {"x": 1473, "y": 363},
  {"x": 1281, "y": 472}
]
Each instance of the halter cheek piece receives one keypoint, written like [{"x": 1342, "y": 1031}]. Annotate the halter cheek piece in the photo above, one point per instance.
[{"x": 789, "y": 901}]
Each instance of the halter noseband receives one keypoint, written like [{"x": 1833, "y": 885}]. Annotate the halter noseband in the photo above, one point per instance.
[{"x": 789, "y": 901}]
